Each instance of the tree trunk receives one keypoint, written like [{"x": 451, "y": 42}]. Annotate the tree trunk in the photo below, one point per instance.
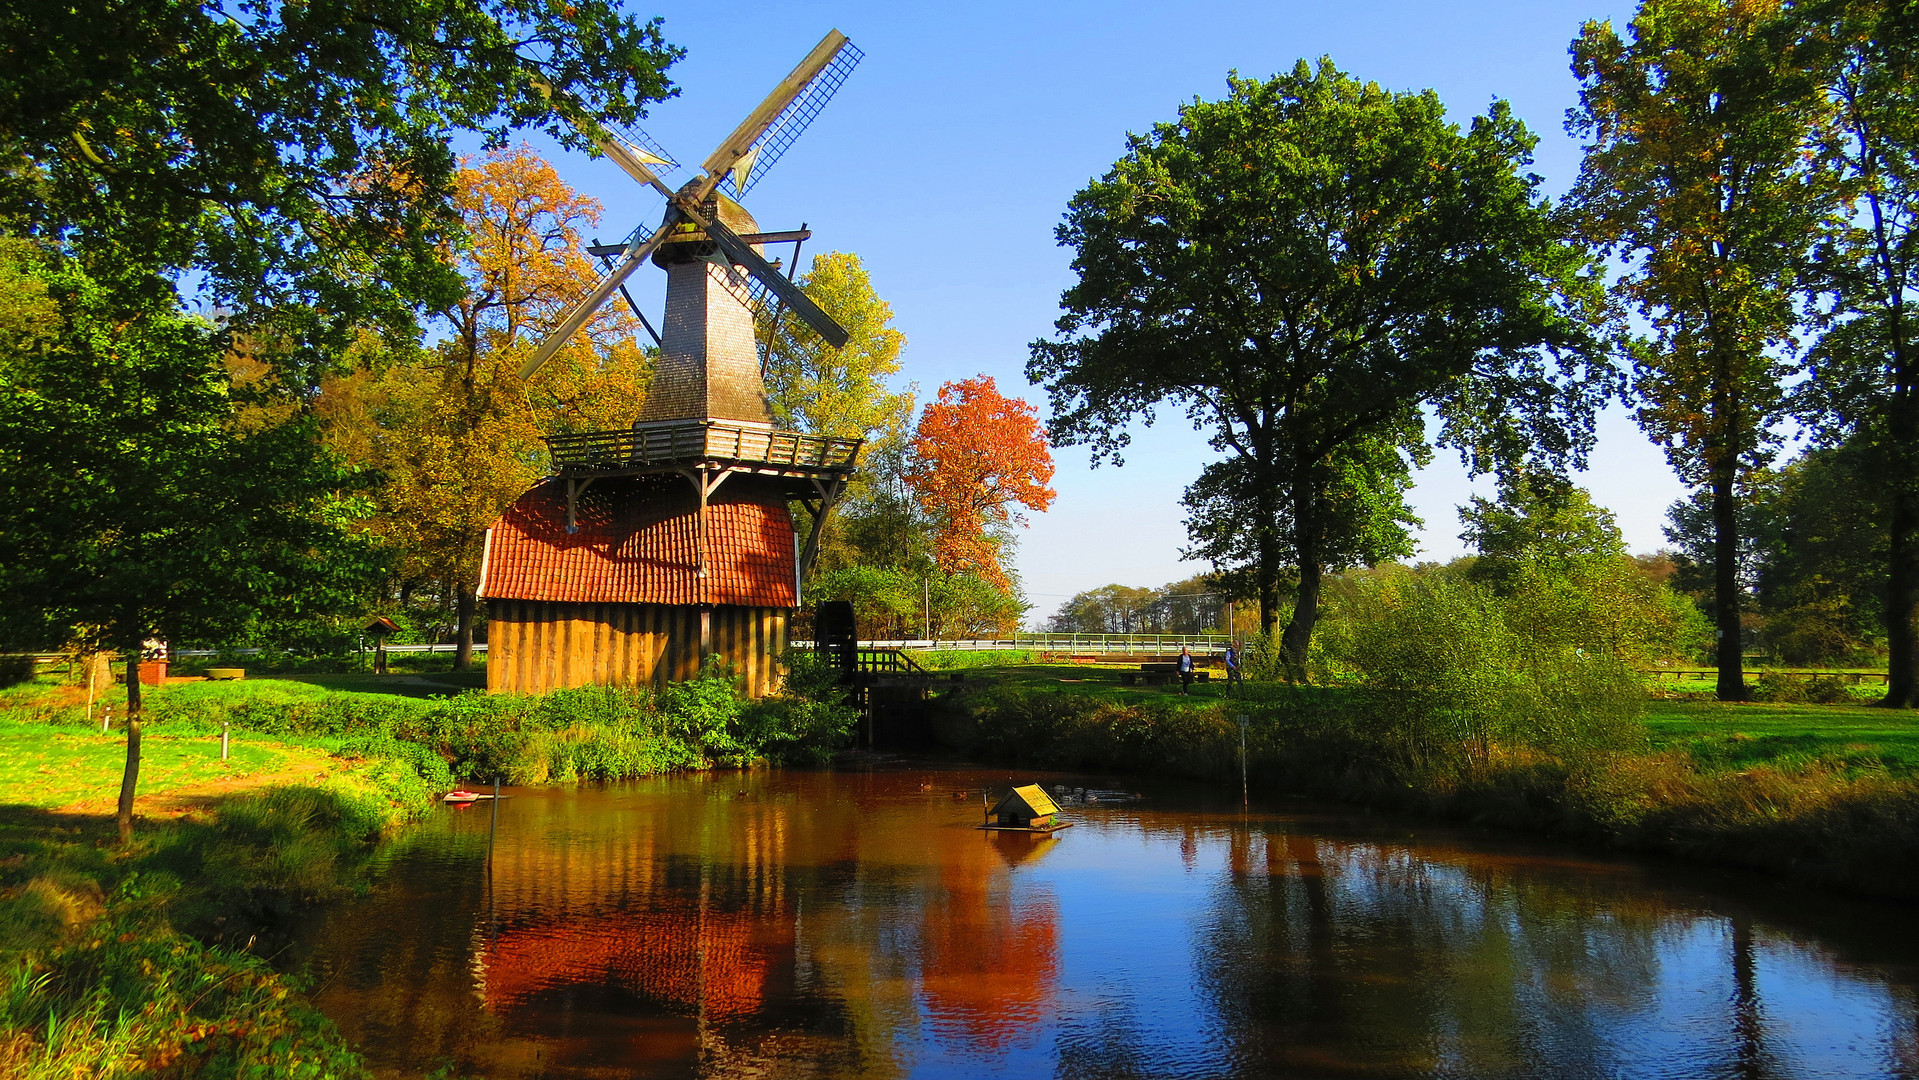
[
  {"x": 1298, "y": 638},
  {"x": 1725, "y": 580},
  {"x": 1902, "y": 571},
  {"x": 1266, "y": 573},
  {"x": 130, "y": 779},
  {"x": 463, "y": 650}
]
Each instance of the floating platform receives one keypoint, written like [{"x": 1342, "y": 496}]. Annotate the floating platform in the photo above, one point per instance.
[{"x": 1053, "y": 828}]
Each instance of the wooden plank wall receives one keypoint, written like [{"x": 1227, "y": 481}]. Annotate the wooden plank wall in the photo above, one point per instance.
[{"x": 536, "y": 645}]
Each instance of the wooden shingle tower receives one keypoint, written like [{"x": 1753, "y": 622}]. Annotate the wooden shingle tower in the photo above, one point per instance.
[{"x": 653, "y": 547}]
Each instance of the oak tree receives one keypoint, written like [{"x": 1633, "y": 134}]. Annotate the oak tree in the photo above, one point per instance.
[
  {"x": 1698, "y": 176},
  {"x": 293, "y": 158},
  {"x": 1864, "y": 391},
  {"x": 1303, "y": 267}
]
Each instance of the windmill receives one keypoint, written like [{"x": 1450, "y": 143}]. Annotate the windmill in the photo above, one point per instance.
[{"x": 653, "y": 547}]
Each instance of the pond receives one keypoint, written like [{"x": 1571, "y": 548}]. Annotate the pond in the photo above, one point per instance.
[{"x": 859, "y": 924}]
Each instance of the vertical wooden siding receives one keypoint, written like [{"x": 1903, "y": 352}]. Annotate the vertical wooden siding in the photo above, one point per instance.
[{"x": 537, "y": 645}]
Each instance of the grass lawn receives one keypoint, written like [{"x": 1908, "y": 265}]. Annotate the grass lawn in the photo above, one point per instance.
[
  {"x": 1100, "y": 680},
  {"x": 1736, "y": 735},
  {"x": 406, "y": 684},
  {"x": 79, "y": 770},
  {"x": 51, "y": 758}
]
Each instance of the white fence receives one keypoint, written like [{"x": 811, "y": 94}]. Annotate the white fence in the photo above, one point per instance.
[
  {"x": 478, "y": 647},
  {"x": 1084, "y": 644}
]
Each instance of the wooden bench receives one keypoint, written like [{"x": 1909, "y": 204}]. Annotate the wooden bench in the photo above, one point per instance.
[{"x": 1157, "y": 675}]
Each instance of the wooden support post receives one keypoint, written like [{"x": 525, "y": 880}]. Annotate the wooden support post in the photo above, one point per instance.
[
  {"x": 829, "y": 495},
  {"x": 574, "y": 489}
]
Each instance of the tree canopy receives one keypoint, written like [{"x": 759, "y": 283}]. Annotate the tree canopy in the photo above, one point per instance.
[
  {"x": 976, "y": 455},
  {"x": 1303, "y": 267},
  {"x": 292, "y": 159},
  {"x": 1863, "y": 393},
  {"x": 150, "y": 491},
  {"x": 845, "y": 392},
  {"x": 450, "y": 429}
]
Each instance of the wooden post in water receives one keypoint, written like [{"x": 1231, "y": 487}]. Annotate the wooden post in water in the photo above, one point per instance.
[
  {"x": 493, "y": 830},
  {"x": 1245, "y": 798}
]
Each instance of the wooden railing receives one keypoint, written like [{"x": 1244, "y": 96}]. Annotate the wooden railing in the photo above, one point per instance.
[
  {"x": 1854, "y": 678},
  {"x": 627, "y": 448},
  {"x": 886, "y": 661},
  {"x": 1122, "y": 643}
]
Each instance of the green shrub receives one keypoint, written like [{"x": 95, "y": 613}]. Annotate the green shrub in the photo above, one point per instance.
[
  {"x": 1445, "y": 676},
  {"x": 1780, "y": 687},
  {"x": 1828, "y": 690},
  {"x": 966, "y": 659},
  {"x": 705, "y": 713}
]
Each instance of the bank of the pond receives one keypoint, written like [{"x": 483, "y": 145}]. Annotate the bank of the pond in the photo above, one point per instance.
[
  {"x": 145, "y": 960},
  {"x": 1818, "y": 806}
]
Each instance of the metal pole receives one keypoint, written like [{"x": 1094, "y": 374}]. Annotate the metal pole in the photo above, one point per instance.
[
  {"x": 926, "y": 607},
  {"x": 1245, "y": 798},
  {"x": 224, "y": 725}
]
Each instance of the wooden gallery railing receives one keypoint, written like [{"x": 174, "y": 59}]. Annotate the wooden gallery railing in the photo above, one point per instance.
[{"x": 630, "y": 448}]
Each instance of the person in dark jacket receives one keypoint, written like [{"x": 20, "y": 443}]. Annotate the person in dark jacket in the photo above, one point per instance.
[
  {"x": 1232, "y": 666},
  {"x": 1185, "y": 668}
]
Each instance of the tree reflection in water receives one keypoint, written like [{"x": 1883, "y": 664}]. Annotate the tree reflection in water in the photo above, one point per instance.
[{"x": 857, "y": 925}]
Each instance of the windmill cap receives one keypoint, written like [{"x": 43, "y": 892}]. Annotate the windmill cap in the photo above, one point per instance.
[{"x": 697, "y": 246}]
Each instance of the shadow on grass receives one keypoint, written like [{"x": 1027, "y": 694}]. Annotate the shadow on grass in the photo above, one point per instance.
[
  {"x": 149, "y": 954},
  {"x": 411, "y": 685}
]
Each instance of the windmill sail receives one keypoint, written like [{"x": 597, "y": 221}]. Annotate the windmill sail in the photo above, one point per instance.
[
  {"x": 739, "y": 161},
  {"x": 742, "y": 254},
  {"x": 792, "y": 121},
  {"x": 815, "y": 80},
  {"x": 589, "y": 305}
]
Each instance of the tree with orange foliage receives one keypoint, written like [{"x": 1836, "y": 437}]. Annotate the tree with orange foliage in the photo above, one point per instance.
[
  {"x": 975, "y": 454},
  {"x": 452, "y": 428}
]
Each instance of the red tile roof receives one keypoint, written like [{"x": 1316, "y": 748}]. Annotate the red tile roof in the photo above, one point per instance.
[{"x": 636, "y": 545}]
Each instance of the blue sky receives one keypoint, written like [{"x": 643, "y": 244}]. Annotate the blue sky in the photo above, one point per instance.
[{"x": 949, "y": 156}]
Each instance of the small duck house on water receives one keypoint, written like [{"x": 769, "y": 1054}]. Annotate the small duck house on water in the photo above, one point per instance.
[
  {"x": 1025, "y": 809},
  {"x": 653, "y": 547}
]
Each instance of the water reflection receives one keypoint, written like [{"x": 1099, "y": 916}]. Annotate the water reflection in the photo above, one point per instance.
[{"x": 858, "y": 925}]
